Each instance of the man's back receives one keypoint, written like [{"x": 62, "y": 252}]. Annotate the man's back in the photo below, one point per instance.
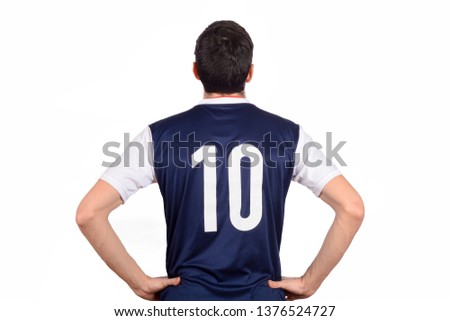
[{"x": 224, "y": 168}]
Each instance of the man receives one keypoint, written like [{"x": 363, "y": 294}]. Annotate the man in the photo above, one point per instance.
[{"x": 223, "y": 168}]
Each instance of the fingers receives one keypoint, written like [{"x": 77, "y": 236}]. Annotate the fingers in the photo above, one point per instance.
[
  {"x": 285, "y": 283},
  {"x": 153, "y": 286},
  {"x": 293, "y": 288},
  {"x": 146, "y": 296},
  {"x": 163, "y": 282},
  {"x": 291, "y": 297},
  {"x": 286, "y": 286}
]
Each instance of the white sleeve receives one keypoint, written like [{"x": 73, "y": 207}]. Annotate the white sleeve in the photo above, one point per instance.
[
  {"x": 135, "y": 169},
  {"x": 312, "y": 168}
]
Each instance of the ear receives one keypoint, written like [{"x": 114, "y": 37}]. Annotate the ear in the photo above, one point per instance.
[
  {"x": 195, "y": 71},
  {"x": 250, "y": 74}
]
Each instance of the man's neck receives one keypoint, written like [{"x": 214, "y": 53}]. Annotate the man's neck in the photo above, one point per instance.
[{"x": 217, "y": 95}]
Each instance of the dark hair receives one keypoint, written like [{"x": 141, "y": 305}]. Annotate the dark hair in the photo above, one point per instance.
[{"x": 223, "y": 53}]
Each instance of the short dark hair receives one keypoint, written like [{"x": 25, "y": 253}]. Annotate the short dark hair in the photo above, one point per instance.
[{"x": 223, "y": 53}]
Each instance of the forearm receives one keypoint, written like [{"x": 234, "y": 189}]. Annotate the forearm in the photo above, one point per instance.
[
  {"x": 107, "y": 244},
  {"x": 337, "y": 241}
]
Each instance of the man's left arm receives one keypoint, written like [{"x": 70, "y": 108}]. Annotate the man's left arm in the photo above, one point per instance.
[{"x": 349, "y": 214}]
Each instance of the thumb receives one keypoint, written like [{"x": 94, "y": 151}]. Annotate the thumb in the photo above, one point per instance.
[
  {"x": 172, "y": 281},
  {"x": 275, "y": 284}
]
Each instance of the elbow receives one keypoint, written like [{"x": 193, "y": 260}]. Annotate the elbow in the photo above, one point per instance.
[
  {"x": 84, "y": 216},
  {"x": 354, "y": 210},
  {"x": 358, "y": 213}
]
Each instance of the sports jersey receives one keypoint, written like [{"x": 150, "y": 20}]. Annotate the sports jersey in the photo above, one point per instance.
[{"x": 223, "y": 168}]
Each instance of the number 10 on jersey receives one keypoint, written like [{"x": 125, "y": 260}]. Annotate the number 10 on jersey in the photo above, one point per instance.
[{"x": 234, "y": 182}]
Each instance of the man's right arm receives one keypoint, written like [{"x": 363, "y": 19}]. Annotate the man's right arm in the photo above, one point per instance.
[
  {"x": 116, "y": 185},
  {"x": 349, "y": 213},
  {"x": 92, "y": 219}
]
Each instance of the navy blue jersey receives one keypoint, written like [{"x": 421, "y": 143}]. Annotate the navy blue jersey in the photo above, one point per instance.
[{"x": 224, "y": 171}]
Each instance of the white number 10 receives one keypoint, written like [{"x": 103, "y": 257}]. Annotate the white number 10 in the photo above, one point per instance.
[{"x": 234, "y": 178}]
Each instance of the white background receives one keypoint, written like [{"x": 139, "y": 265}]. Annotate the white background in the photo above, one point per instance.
[{"x": 74, "y": 75}]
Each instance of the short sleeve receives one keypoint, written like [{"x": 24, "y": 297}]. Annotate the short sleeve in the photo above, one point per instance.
[
  {"x": 135, "y": 169},
  {"x": 312, "y": 168}
]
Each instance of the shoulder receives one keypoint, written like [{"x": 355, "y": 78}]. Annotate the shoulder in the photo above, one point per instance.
[
  {"x": 174, "y": 118},
  {"x": 276, "y": 121},
  {"x": 274, "y": 116}
]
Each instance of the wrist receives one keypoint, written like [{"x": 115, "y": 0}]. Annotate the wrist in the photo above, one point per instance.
[
  {"x": 309, "y": 286},
  {"x": 137, "y": 282}
]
